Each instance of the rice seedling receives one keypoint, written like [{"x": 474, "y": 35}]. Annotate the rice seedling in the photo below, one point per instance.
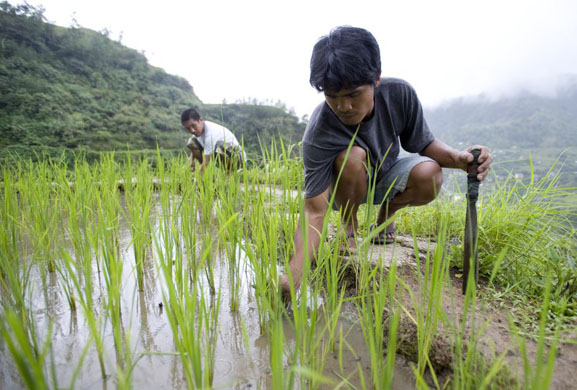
[
  {"x": 471, "y": 369},
  {"x": 207, "y": 189},
  {"x": 231, "y": 232},
  {"x": 17, "y": 324},
  {"x": 427, "y": 306},
  {"x": 224, "y": 236},
  {"x": 308, "y": 351},
  {"x": 39, "y": 207},
  {"x": 167, "y": 221},
  {"x": 112, "y": 263},
  {"x": 104, "y": 238},
  {"x": 192, "y": 318},
  {"x": 138, "y": 200},
  {"x": 29, "y": 357},
  {"x": 280, "y": 378},
  {"x": 394, "y": 320},
  {"x": 77, "y": 210},
  {"x": 265, "y": 286},
  {"x": 208, "y": 331},
  {"x": 263, "y": 250},
  {"x": 189, "y": 228},
  {"x": 82, "y": 282},
  {"x": 333, "y": 300},
  {"x": 538, "y": 375},
  {"x": 14, "y": 275},
  {"x": 375, "y": 304}
]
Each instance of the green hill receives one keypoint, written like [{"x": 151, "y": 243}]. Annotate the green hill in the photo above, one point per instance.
[
  {"x": 71, "y": 89},
  {"x": 524, "y": 121},
  {"x": 521, "y": 130}
]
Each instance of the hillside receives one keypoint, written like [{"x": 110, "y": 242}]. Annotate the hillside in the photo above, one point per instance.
[
  {"x": 524, "y": 121},
  {"x": 66, "y": 90},
  {"x": 70, "y": 89},
  {"x": 521, "y": 130}
]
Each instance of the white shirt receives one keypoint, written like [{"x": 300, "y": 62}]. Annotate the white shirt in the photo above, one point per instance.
[{"x": 212, "y": 134}]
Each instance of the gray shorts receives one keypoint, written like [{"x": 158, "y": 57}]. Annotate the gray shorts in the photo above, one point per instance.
[{"x": 395, "y": 180}]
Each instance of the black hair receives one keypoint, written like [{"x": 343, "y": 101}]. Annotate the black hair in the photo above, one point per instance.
[
  {"x": 346, "y": 58},
  {"x": 189, "y": 113}
]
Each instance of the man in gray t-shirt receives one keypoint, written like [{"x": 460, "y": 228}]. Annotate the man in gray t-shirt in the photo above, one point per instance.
[
  {"x": 352, "y": 142},
  {"x": 397, "y": 120}
]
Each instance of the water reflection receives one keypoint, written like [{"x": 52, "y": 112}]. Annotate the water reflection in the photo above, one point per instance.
[{"x": 242, "y": 353}]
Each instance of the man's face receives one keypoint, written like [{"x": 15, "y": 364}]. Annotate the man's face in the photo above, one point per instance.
[
  {"x": 195, "y": 127},
  {"x": 351, "y": 106}
]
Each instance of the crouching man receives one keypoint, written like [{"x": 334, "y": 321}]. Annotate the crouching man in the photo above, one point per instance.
[
  {"x": 210, "y": 142},
  {"x": 376, "y": 116}
]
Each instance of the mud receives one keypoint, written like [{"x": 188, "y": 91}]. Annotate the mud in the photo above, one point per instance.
[
  {"x": 242, "y": 352},
  {"x": 496, "y": 337}
]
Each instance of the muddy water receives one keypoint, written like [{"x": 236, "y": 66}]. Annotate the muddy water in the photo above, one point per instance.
[{"x": 240, "y": 363}]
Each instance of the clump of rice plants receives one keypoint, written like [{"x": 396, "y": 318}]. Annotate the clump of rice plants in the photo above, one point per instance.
[
  {"x": 152, "y": 274},
  {"x": 138, "y": 185}
]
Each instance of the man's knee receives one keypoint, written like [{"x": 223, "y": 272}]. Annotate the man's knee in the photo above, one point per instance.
[
  {"x": 350, "y": 170},
  {"x": 427, "y": 179},
  {"x": 353, "y": 165}
]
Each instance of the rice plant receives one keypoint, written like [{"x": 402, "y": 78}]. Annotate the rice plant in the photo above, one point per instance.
[
  {"x": 138, "y": 184},
  {"x": 218, "y": 243},
  {"x": 39, "y": 210}
]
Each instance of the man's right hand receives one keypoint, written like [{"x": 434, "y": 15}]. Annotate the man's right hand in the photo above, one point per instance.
[
  {"x": 191, "y": 163},
  {"x": 314, "y": 212}
]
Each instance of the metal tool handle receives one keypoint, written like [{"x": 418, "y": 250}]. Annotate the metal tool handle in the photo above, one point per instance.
[
  {"x": 470, "y": 255},
  {"x": 472, "y": 172}
]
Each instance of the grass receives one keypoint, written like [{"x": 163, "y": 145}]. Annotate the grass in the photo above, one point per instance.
[{"x": 219, "y": 237}]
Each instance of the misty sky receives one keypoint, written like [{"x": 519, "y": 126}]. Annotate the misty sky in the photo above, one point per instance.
[{"x": 261, "y": 49}]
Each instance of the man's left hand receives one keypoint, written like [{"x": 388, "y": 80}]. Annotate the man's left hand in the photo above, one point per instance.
[{"x": 485, "y": 160}]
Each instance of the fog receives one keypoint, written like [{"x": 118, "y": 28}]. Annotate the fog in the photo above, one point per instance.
[{"x": 231, "y": 50}]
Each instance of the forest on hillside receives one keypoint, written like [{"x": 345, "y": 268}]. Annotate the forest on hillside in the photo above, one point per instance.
[
  {"x": 529, "y": 135},
  {"x": 66, "y": 90},
  {"x": 524, "y": 121},
  {"x": 73, "y": 90}
]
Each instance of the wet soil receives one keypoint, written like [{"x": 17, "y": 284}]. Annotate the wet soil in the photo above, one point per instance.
[
  {"x": 242, "y": 354},
  {"x": 242, "y": 357},
  {"x": 495, "y": 338}
]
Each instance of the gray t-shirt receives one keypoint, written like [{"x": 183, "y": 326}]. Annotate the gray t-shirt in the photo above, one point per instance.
[{"x": 397, "y": 121}]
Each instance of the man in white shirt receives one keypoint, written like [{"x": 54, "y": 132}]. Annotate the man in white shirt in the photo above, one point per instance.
[{"x": 210, "y": 141}]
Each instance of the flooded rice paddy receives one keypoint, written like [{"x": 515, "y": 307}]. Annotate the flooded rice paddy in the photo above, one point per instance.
[
  {"x": 133, "y": 276},
  {"x": 137, "y": 348}
]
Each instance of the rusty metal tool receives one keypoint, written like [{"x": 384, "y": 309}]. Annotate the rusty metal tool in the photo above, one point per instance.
[{"x": 470, "y": 256}]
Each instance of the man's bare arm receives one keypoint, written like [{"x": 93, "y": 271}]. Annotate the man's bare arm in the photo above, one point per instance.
[
  {"x": 448, "y": 157},
  {"x": 315, "y": 210},
  {"x": 205, "y": 161}
]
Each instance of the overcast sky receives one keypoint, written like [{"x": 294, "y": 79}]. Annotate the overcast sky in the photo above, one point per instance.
[{"x": 239, "y": 49}]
